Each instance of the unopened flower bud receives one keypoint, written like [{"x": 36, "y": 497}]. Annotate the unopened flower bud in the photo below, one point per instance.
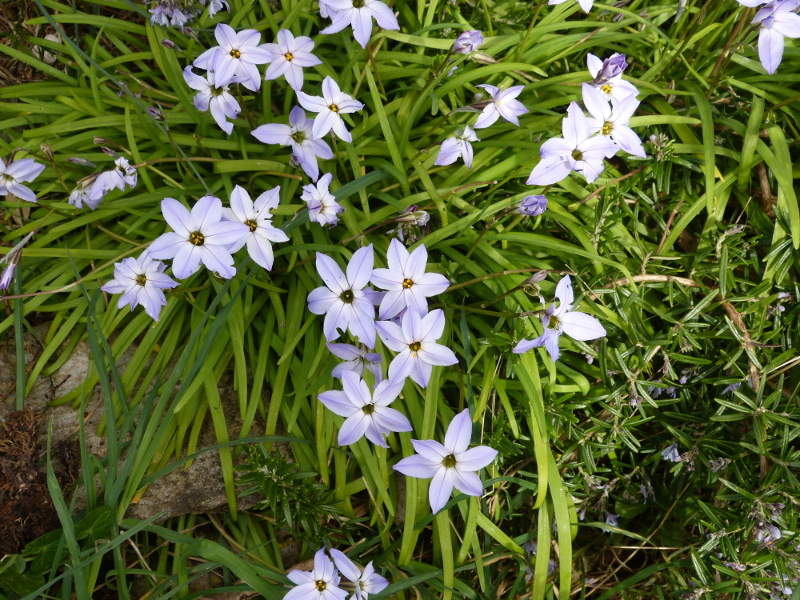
[
  {"x": 483, "y": 58},
  {"x": 109, "y": 151},
  {"x": 8, "y": 273},
  {"x": 467, "y": 42},
  {"x": 155, "y": 113},
  {"x": 414, "y": 216},
  {"x": 612, "y": 67},
  {"x": 82, "y": 162},
  {"x": 168, "y": 43},
  {"x": 532, "y": 206}
]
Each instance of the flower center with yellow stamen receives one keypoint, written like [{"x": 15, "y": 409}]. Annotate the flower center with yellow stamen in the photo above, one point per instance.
[
  {"x": 321, "y": 585},
  {"x": 197, "y": 238},
  {"x": 251, "y": 224},
  {"x": 236, "y": 54},
  {"x": 607, "y": 127},
  {"x": 415, "y": 347},
  {"x": 141, "y": 279},
  {"x": 288, "y": 56},
  {"x": 577, "y": 154},
  {"x": 347, "y": 296},
  {"x": 368, "y": 409},
  {"x": 407, "y": 283},
  {"x": 606, "y": 89},
  {"x": 299, "y": 137},
  {"x": 449, "y": 461},
  {"x": 333, "y": 108},
  {"x": 553, "y": 324},
  {"x": 358, "y": 3}
]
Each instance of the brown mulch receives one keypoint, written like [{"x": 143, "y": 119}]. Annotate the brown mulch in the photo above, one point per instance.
[{"x": 26, "y": 509}]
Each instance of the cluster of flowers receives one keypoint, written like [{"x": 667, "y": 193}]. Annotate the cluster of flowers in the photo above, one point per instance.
[
  {"x": 179, "y": 13},
  {"x": 611, "y": 102},
  {"x": 324, "y": 580},
  {"x": 207, "y": 235},
  {"x": 412, "y": 332},
  {"x": 778, "y": 21}
]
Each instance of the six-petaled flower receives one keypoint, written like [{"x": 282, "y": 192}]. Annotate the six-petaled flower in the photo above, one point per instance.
[
  {"x": 359, "y": 15},
  {"x": 366, "y": 413},
  {"x": 289, "y": 55},
  {"x": 503, "y": 104},
  {"x": 449, "y": 464},
  {"x": 141, "y": 281},
  {"x": 563, "y": 319},
  {"x": 257, "y": 216},
  {"x": 14, "y": 174},
  {"x": 329, "y": 109}
]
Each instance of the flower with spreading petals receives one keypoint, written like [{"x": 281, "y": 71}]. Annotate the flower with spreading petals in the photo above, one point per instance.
[
  {"x": 366, "y": 413},
  {"x": 607, "y": 76},
  {"x": 322, "y": 205},
  {"x": 320, "y": 584},
  {"x": 289, "y": 56},
  {"x": 141, "y": 281},
  {"x": 355, "y": 360},
  {"x": 343, "y": 299},
  {"x": 210, "y": 97},
  {"x": 503, "y": 104},
  {"x": 299, "y": 135},
  {"x": 468, "y": 41},
  {"x": 586, "y": 5},
  {"x": 14, "y": 174},
  {"x": 329, "y": 109},
  {"x": 612, "y": 120},
  {"x": 576, "y": 151},
  {"x": 450, "y": 465},
  {"x": 778, "y": 20},
  {"x": 406, "y": 282},
  {"x": 563, "y": 319},
  {"x": 532, "y": 206},
  {"x": 366, "y": 583},
  {"x": 458, "y": 145},
  {"x": 359, "y": 14},
  {"x": 199, "y": 236},
  {"x": 257, "y": 216},
  {"x": 236, "y": 57},
  {"x": 415, "y": 340}
]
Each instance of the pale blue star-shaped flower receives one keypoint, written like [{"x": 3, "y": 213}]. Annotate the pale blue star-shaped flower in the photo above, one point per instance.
[
  {"x": 577, "y": 151},
  {"x": 141, "y": 281},
  {"x": 321, "y": 204},
  {"x": 366, "y": 413},
  {"x": 257, "y": 216},
  {"x": 503, "y": 104},
  {"x": 450, "y": 464},
  {"x": 329, "y": 109},
  {"x": 210, "y": 97},
  {"x": 406, "y": 282},
  {"x": 343, "y": 299},
  {"x": 236, "y": 57},
  {"x": 321, "y": 583},
  {"x": 612, "y": 120},
  {"x": 298, "y": 134},
  {"x": 415, "y": 341},
  {"x": 359, "y": 14},
  {"x": 366, "y": 583},
  {"x": 289, "y": 55},
  {"x": 457, "y": 146},
  {"x": 199, "y": 236},
  {"x": 14, "y": 174},
  {"x": 563, "y": 319}
]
